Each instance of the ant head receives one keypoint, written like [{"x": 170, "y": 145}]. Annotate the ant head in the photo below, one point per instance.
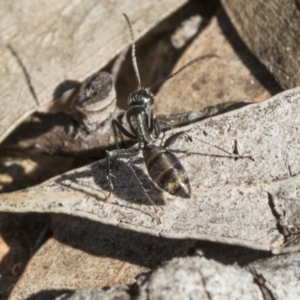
[{"x": 141, "y": 97}]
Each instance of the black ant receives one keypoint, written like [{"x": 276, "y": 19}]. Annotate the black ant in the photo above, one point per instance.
[{"x": 163, "y": 166}]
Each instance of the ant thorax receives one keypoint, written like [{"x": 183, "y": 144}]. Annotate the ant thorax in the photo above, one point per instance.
[
  {"x": 138, "y": 116},
  {"x": 138, "y": 120}
]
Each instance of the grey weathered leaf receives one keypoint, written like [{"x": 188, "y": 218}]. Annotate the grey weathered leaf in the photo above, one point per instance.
[
  {"x": 116, "y": 292},
  {"x": 63, "y": 41},
  {"x": 198, "y": 278},
  {"x": 278, "y": 277},
  {"x": 232, "y": 199}
]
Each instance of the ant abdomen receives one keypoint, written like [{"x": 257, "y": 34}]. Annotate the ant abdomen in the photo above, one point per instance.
[{"x": 166, "y": 171}]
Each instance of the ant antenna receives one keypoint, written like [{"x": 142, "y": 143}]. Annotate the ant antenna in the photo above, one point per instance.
[
  {"x": 183, "y": 67},
  {"x": 134, "y": 62}
]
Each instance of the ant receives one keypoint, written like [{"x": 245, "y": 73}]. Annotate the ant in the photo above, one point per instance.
[{"x": 164, "y": 168}]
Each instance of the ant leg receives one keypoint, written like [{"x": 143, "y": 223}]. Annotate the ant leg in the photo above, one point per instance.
[
  {"x": 162, "y": 140},
  {"x": 143, "y": 191},
  {"x": 115, "y": 153},
  {"x": 232, "y": 155},
  {"x": 120, "y": 130},
  {"x": 173, "y": 138},
  {"x": 119, "y": 153},
  {"x": 154, "y": 125},
  {"x": 170, "y": 140}
]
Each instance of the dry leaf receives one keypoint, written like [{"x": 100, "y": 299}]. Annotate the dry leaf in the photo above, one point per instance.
[
  {"x": 271, "y": 31},
  {"x": 44, "y": 44},
  {"x": 236, "y": 75},
  {"x": 91, "y": 255},
  {"x": 200, "y": 278},
  {"x": 233, "y": 200}
]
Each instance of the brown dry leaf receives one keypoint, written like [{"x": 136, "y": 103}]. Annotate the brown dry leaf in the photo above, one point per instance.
[
  {"x": 86, "y": 254},
  {"x": 23, "y": 234},
  {"x": 270, "y": 29},
  {"x": 4, "y": 249},
  {"x": 44, "y": 44},
  {"x": 235, "y": 76},
  {"x": 235, "y": 201}
]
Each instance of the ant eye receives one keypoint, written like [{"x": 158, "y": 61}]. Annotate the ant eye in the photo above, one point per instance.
[{"x": 130, "y": 99}]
